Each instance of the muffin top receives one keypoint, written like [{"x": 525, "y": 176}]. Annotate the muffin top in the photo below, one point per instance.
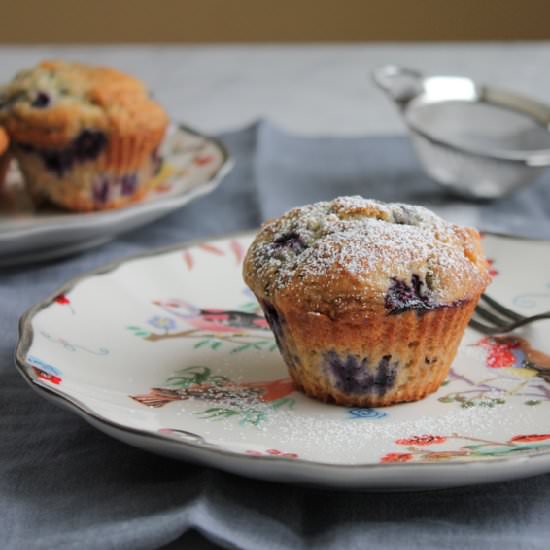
[
  {"x": 353, "y": 253},
  {"x": 55, "y": 101}
]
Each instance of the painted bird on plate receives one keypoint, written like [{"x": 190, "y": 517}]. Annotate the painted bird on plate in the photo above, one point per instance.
[
  {"x": 213, "y": 319},
  {"x": 228, "y": 392}
]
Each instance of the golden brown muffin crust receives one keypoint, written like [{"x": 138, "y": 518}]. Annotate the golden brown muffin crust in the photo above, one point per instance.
[{"x": 343, "y": 257}]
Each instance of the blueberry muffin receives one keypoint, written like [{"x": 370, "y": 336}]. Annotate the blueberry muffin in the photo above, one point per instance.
[
  {"x": 368, "y": 301},
  {"x": 85, "y": 138}
]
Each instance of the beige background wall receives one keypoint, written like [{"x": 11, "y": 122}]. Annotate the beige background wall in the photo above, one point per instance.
[{"x": 92, "y": 21}]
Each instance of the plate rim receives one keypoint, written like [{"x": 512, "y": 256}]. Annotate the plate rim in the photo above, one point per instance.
[
  {"x": 114, "y": 216},
  {"x": 60, "y": 398}
]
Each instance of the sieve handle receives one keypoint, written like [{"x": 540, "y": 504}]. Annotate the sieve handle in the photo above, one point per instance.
[{"x": 399, "y": 83}]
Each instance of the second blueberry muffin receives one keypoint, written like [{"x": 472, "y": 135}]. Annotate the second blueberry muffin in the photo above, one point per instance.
[
  {"x": 368, "y": 301},
  {"x": 85, "y": 137}
]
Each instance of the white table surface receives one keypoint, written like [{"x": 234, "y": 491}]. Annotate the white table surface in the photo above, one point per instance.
[{"x": 309, "y": 89}]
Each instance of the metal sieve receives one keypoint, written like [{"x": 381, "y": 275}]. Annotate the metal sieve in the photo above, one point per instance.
[{"x": 475, "y": 140}]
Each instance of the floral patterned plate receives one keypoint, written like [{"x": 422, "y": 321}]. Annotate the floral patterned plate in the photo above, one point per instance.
[
  {"x": 193, "y": 165},
  {"x": 169, "y": 352}
]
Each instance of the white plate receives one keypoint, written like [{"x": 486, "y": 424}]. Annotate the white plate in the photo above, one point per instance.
[
  {"x": 168, "y": 352},
  {"x": 193, "y": 165}
]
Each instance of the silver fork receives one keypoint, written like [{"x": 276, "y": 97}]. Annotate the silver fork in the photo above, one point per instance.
[{"x": 499, "y": 319}]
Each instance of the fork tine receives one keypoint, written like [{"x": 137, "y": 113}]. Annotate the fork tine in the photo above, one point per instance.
[
  {"x": 484, "y": 329},
  {"x": 501, "y": 309},
  {"x": 499, "y": 319},
  {"x": 489, "y": 316},
  {"x": 527, "y": 321},
  {"x": 509, "y": 327}
]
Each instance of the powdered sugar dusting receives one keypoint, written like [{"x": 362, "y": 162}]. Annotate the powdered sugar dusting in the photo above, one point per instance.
[{"x": 357, "y": 238}]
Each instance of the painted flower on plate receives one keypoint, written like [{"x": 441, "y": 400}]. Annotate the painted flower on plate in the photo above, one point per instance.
[
  {"x": 366, "y": 413},
  {"x": 529, "y": 438},
  {"x": 396, "y": 457},
  {"x": 422, "y": 440},
  {"x": 272, "y": 452},
  {"x": 164, "y": 323}
]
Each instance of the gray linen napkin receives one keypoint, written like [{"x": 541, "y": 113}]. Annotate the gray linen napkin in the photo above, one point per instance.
[
  {"x": 64, "y": 484},
  {"x": 295, "y": 170}
]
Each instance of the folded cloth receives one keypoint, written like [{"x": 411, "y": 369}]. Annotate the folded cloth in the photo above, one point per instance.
[
  {"x": 64, "y": 484},
  {"x": 294, "y": 170}
]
